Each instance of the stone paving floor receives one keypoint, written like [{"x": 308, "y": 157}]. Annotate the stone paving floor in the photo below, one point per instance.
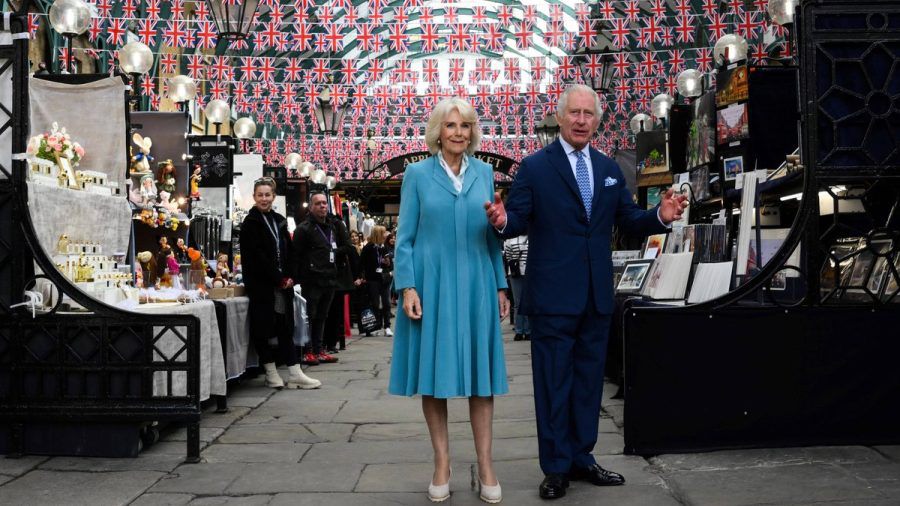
[{"x": 350, "y": 443}]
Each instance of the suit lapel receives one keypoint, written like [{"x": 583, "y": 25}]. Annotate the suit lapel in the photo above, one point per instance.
[
  {"x": 560, "y": 162},
  {"x": 440, "y": 177},
  {"x": 599, "y": 182}
]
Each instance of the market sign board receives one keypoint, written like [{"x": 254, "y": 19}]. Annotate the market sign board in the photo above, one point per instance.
[{"x": 500, "y": 163}]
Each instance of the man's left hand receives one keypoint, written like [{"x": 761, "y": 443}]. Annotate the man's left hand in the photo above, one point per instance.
[
  {"x": 671, "y": 206},
  {"x": 504, "y": 304}
]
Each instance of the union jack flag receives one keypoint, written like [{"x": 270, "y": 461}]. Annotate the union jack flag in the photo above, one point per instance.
[
  {"x": 177, "y": 34},
  {"x": 206, "y": 35},
  {"x": 168, "y": 62},
  {"x": 195, "y": 66},
  {"x": 95, "y": 29}
]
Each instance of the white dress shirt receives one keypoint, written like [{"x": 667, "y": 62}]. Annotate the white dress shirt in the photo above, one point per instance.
[
  {"x": 570, "y": 152},
  {"x": 457, "y": 180}
]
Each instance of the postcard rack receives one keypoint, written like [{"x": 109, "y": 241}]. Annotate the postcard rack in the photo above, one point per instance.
[{"x": 749, "y": 370}]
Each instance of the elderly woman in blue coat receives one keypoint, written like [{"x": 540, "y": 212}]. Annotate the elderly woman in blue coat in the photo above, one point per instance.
[{"x": 449, "y": 273}]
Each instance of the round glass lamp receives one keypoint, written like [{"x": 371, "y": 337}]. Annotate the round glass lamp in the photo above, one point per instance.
[
  {"x": 217, "y": 111},
  {"x": 782, "y": 11},
  {"x": 182, "y": 89},
  {"x": 70, "y": 17},
  {"x": 730, "y": 48},
  {"x": 330, "y": 182},
  {"x": 305, "y": 169},
  {"x": 661, "y": 104},
  {"x": 690, "y": 83},
  {"x": 135, "y": 58},
  {"x": 244, "y": 128},
  {"x": 292, "y": 161},
  {"x": 318, "y": 176},
  {"x": 641, "y": 123}
]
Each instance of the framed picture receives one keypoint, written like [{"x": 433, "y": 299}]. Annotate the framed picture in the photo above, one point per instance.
[
  {"x": 734, "y": 167},
  {"x": 634, "y": 276},
  {"x": 733, "y": 85},
  {"x": 732, "y": 124},
  {"x": 654, "y": 246}
]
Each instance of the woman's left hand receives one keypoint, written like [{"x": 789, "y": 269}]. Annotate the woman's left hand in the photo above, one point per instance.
[{"x": 504, "y": 304}]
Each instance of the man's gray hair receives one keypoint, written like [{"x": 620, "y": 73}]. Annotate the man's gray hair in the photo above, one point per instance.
[{"x": 578, "y": 88}]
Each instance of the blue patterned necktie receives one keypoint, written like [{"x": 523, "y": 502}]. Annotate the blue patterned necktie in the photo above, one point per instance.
[{"x": 583, "y": 178}]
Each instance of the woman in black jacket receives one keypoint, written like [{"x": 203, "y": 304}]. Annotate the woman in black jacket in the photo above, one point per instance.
[
  {"x": 266, "y": 253},
  {"x": 377, "y": 264}
]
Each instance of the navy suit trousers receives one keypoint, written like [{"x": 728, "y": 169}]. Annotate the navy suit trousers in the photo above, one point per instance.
[{"x": 568, "y": 355}]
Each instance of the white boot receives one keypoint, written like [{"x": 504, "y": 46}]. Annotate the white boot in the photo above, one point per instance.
[
  {"x": 298, "y": 379},
  {"x": 273, "y": 379}
]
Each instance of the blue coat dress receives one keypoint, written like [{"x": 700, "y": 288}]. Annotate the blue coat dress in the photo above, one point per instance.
[{"x": 447, "y": 250}]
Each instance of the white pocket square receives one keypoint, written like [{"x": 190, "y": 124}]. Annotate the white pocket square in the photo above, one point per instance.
[{"x": 610, "y": 181}]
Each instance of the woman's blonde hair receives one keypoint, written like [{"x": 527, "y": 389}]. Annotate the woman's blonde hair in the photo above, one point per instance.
[
  {"x": 377, "y": 235},
  {"x": 439, "y": 115}
]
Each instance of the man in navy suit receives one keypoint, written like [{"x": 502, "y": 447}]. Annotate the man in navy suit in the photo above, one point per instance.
[{"x": 567, "y": 197}]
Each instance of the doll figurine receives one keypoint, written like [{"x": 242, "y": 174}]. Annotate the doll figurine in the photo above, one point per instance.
[
  {"x": 148, "y": 190},
  {"x": 167, "y": 202},
  {"x": 198, "y": 270},
  {"x": 195, "y": 182},
  {"x": 173, "y": 269},
  {"x": 181, "y": 251},
  {"x": 162, "y": 267},
  {"x": 148, "y": 268},
  {"x": 165, "y": 178},
  {"x": 140, "y": 163},
  {"x": 222, "y": 267}
]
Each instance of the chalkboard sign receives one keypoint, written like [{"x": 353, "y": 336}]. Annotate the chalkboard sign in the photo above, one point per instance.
[{"x": 216, "y": 165}]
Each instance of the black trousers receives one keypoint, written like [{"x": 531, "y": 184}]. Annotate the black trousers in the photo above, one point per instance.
[
  {"x": 318, "y": 302},
  {"x": 380, "y": 298},
  {"x": 287, "y": 353},
  {"x": 334, "y": 324}
]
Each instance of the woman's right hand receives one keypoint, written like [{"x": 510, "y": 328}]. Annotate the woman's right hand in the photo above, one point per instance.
[{"x": 412, "y": 306}]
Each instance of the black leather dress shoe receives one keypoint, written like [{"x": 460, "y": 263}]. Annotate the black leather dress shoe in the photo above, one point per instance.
[
  {"x": 597, "y": 475},
  {"x": 553, "y": 487}
]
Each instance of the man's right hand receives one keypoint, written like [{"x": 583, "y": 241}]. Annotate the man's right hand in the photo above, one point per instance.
[
  {"x": 412, "y": 306},
  {"x": 496, "y": 212}
]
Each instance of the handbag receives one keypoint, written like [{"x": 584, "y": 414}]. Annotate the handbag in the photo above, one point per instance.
[{"x": 367, "y": 321}]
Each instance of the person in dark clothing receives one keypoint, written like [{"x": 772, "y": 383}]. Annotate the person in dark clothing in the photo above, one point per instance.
[
  {"x": 377, "y": 264},
  {"x": 348, "y": 279},
  {"x": 266, "y": 252},
  {"x": 318, "y": 243}
]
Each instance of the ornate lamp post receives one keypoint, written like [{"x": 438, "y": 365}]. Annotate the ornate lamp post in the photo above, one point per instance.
[
  {"x": 329, "y": 116},
  {"x": 135, "y": 59},
  {"x": 217, "y": 112},
  {"x": 547, "y": 130},
  {"x": 70, "y": 18},
  {"x": 233, "y": 18},
  {"x": 181, "y": 90},
  {"x": 596, "y": 60}
]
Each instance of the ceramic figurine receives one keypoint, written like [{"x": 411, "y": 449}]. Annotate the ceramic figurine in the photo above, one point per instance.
[
  {"x": 195, "y": 182},
  {"x": 148, "y": 190},
  {"x": 165, "y": 176},
  {"x": 140, "y": 163}
]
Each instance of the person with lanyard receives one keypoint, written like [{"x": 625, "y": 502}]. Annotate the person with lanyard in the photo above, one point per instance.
[
  {"x": 376, "y": 271},
  {"x": 265, "y": 250},
  {"x": 318, "y": 244}
]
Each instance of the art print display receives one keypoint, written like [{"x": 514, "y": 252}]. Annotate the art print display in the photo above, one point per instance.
[
  {"x": 700, "y": 183},
  {"x": 654, "y": 195},
  {"x": 651, "y": 148},
  {"x": 734, "y": 167},
  {"x": 701, "y": 148},
  {"x": 732, "y": 124},
  {"x": 733, "y": 85}
]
